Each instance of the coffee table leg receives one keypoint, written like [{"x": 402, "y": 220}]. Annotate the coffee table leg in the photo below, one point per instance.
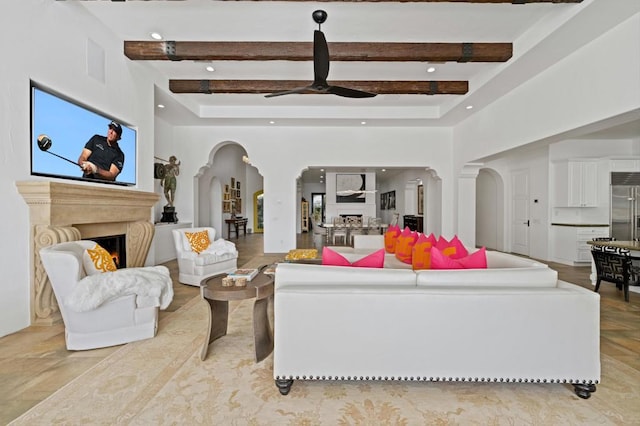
[
  {"x": 262, "y": 332},
  {"x": 218, "y": 320}
]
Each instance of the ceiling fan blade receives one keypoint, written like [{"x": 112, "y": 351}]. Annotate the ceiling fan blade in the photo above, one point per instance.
[
  {"x": 320, "y": 58},
  {"x": 289, "y": 92},
  {"x": 349, "y": 93}
]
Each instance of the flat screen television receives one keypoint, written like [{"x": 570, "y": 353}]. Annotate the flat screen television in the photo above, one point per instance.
[{"x": 69, "y": 125}]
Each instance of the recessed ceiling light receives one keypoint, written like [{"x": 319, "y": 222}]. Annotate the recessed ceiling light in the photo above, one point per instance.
[
  {"x": 210, "y": 68},
  {"x": 431, "y": 69},
  {"x": 384, "y": 170},
  {"x": 363, "y": 122},
  {"x": 155, "y": 36},
  {"x": 272, "y": 122},
  {"x": 469, "y": 107},
  {"x": 322, "y": 170},
  {"x": 160, "y": 106}
]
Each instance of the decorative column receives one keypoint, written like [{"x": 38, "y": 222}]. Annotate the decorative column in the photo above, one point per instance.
[
  {"x": 139, "y": 235},
  {"x": 467, "y": 203},
  {"x": 43, "y": 302}
]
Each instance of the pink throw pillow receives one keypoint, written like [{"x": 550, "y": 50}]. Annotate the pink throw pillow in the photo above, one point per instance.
[
  {"x": 461, "y": 251},
  {"x": 453, "y": 249},
  {"x": 333, "y": 258},
  {"x": 373, "y": 260},
  {"x": 476, "y": 260}
]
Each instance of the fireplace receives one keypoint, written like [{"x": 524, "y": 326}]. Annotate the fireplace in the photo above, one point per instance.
[
  {"x": 61, "y": 212},
  {"x": 351, "y": 216},
  {"x": 116, "y": 246}
]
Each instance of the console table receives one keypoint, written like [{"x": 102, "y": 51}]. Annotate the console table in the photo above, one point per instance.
[
  {"x": 414, "y": 223},
  {"x": 237, "y": 222}
]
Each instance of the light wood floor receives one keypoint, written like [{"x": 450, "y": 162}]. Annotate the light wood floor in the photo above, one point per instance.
[{"x": 34, "y": 362}]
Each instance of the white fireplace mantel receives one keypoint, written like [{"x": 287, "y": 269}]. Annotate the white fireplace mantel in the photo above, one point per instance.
[{"x": 62, "y": 212}]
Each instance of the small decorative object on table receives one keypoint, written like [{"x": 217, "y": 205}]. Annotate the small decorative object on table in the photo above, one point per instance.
[
  {"x": 270, "y": 270},
  {"x": 246, "y": 273},
  {"x": 227, "y": 282},
  {"x": 240, "y": 282}
]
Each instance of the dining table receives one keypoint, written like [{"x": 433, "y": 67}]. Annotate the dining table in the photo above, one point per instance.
[{"x": 330, "y": 227}]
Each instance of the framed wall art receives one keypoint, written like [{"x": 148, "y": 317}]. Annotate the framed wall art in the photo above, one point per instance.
[{"x": 350, "y": 188}]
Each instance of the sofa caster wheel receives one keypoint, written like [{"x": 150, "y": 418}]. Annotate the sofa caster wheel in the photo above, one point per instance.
[
  {"x": 284, "y": 386},
  {"x": 584, "y": 390}
]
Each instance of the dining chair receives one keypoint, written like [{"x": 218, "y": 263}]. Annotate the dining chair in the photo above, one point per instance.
[
  {"x": 374, "y": 225},
  {"x": 355, "y": 228},
  {"x": 319, "y": 232},
  {"x": 340, "y": 230},
  {"x": 613, "y": 264}
]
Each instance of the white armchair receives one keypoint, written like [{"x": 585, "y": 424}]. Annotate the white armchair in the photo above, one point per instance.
[
  {"x": 219, "y": 258},
  {"x": 117, "y": 321}
]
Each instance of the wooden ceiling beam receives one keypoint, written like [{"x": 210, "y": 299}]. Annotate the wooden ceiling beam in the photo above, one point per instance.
[
  {"x": 270, "y": 86},
  {"x": 408, "y": 1},
  {"x": 303, "y": 51},
  {"x": 437, "y": 1}
]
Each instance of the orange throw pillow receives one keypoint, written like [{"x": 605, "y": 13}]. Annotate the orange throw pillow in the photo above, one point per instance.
[
  {"x": 421, "y": 256},
  {"x": 404, "y": 245},
  {"x": 390, "y": 238}
]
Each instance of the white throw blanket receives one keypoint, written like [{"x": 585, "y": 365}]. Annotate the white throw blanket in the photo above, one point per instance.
[{"x": 151, "y": 284}]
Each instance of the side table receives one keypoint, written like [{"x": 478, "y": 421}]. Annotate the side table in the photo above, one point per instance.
[{"x": 218, "y": 297}]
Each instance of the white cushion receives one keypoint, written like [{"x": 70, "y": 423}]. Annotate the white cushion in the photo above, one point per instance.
[
  {"x": 505, "y": 277},
  {"x": 301, "y": 274}
]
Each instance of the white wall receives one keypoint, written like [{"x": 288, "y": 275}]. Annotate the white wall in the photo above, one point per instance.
[
  {"x": 335, "y": 209},
  {"x": 281, "y": 154},
  {"x": 567, "y": 96},
  {"x": 48, "y": 43},
  {"x": 596, "y": 83}
]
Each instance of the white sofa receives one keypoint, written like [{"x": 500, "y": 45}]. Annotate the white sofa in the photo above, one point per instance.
[
  {"x": 221, "y": 257},
  {"x": 512, "y": 322}
]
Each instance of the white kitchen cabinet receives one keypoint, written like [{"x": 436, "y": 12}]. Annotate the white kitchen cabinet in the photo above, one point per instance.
[
  {"x": 570, "y": 242},
  {"x": 576, "y": 183}
]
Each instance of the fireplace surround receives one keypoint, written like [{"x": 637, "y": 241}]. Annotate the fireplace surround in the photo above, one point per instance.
[{"x": 61, "y": 212}]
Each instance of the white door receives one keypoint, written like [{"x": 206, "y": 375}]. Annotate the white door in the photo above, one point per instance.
[{"x": 520, "y": 215}]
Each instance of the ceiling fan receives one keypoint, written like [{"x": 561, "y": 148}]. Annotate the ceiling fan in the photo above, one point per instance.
[{"x": 321, "y": 68}]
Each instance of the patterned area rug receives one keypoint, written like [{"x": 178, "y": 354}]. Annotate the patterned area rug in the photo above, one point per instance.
[{"x": 163, "y": 381}]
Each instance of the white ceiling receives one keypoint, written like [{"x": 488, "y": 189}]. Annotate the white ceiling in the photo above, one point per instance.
[
  {"x": 536, "y": 31},
  {"x": 541, "y": 35}
]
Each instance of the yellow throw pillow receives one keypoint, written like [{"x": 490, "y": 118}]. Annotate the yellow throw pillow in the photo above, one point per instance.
[
  {"x": 299, "y": 254},
  {"x": 199, "y": 241},
  {"x": 97, "y": 260}
]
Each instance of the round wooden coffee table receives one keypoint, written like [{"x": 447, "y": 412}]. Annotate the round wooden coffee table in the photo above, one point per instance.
[{"x": 218, "y": 297}]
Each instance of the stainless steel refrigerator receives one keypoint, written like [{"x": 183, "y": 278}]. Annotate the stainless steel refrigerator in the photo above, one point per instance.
[{"x": 625, "y": 206}]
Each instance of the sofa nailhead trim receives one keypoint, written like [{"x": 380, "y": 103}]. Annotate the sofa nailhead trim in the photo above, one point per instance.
[{"x": 441, "y": 379}]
